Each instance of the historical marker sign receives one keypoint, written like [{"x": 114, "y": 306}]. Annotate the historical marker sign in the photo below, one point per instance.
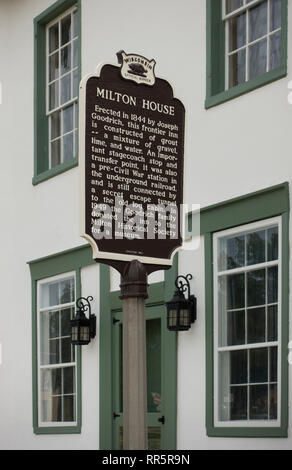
[{"x": 132, "y": 162}]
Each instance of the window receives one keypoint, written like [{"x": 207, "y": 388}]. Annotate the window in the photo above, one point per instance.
[
  {"x": 57, "y": 75},
  {"x": 247, "y": 47},
  {"x": 253, "y": 39},
  {"x": 56, "y": 366},
  {"x": 56, "y": 355},
  {"x": 247, "y": 263},
  {"x": 62, "y": 87},
  {"x": 246, "y": 243}
]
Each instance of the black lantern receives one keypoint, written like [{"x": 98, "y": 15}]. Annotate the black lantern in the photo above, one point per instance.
[
  {"x": 83, "y": 328},
  {"x": 181, "y": 311}
]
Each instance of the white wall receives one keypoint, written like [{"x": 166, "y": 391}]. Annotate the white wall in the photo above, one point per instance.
[{"x": 236, "y": 148}]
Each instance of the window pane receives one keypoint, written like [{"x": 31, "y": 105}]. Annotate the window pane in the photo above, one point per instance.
[
  {"x": 69, "y": 408},
  {"x": 235, "y": 328},
  {"x": 54, "y": 324},
  {"x": 66, "y": 350},
  {"x": 54, "y": 37},
  {"x": 235, "y": 291},
  {"x": 238, "y": 367},
  {"x": 275, "y": 51},
  {"x": 75, "y": 83},
  {"x": 56, "y": 381},
  {"x": 66, "y": 316},
  {"x": 237, "y": 68},
  {"x": 54, "y": 351},
  {"x": 273, "y": 244},
  {"x": 256, "y": 247},
  {"x": 75, "y": 23},
  {"x": 256, "y": 320},
  {"x": 68, "y": 147},
  {"x": 53, "y": 293},
  {"x": 273, "y": 285},
  {"x": 53, "y": 95},
  {"x": 66, "y": 291},
  {"x": 231, "y": 253},
  {"x": 53, "y": 67},
  {"x": 275, "y": 14},
  {"x": 66, "y": 30},
  {"x": 273, "y": 401},
  {"x": 65, "y": 89},
  {"x": 273, "y": 364},
  {"x": 75, "y": 53},
  {"x": 55, "y": 125},
  {"x": 256, "y": 291},
  {"x": 273, "y": 323},
  {"x": 55, "y": 153},
  {"x": 258, "y": 21},
  {"x": 65, "y": 59},
  {"x": 237, "y": 32},
  {"x": 238, "y": 403},
  {"x": 232, "y": 5},
  {"x": 258, "y": 406},
  {"x": 258, "y": 59},
  {"x": 69, "y": 380},
  {"x": 258, "y": 360},
  {"x": 68, "y": 119}
]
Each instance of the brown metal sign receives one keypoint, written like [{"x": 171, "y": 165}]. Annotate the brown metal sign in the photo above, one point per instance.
[{"x": 132, "y": 163}]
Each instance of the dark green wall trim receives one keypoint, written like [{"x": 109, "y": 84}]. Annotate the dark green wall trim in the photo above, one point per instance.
[
  {"x": 159, "y": 293},
  {"x": 61, "y": 262},
  {"x": 272, "y": 202},
  {"x": 258, "y": 205},
  {"x": 215, "y": 47},
  {"x": 69, "y": 260},
  {"x": 41, "y": 170}
]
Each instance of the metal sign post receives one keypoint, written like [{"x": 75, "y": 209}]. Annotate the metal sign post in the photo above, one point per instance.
[{"x": 133, "y": 295}]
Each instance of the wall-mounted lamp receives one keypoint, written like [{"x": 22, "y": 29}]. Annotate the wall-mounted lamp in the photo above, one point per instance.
[
  {"x": 181, "y": 312},
  {"x": 83, "y": 328}
]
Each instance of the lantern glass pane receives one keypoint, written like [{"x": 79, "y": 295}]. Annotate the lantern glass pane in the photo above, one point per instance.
[
  {"x": 172, "y": 317},
  {"x": 84, "y": 333},
  {"x": 74, "y": 333},
  {"x": 184, "y": 317}
]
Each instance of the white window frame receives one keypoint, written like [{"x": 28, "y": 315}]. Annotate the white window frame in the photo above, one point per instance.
[
  {"x": 73, "y": 101},
  {"x": 217, "y": 349},
  {"x": 47, "y": 424},
  {"x": 227, "y": 16}
]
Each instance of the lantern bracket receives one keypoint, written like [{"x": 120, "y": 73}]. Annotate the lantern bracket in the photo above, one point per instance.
[
  {"x": 182, "y": 283},
  {"x": 83, "y": 305}
]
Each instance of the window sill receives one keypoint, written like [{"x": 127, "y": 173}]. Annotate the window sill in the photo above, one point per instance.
[
  {"x": 58, "y": 430},
  {"x": 54, "y": 171},
  {"x": 248, "y": 432},
  {"x": 243, "y": 88}
]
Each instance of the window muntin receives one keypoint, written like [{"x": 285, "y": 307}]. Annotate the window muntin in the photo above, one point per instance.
[
  {"x": 56, "y": 355},
  {"x": 62, "y": 87},
  {"x": 253, "y": 39},
  {"x": 247, "y": 269}
]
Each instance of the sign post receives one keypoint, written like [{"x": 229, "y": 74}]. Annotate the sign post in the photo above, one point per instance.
[
  {"x": 131, "y": 149},
  {"x": 133, "y": 295}
]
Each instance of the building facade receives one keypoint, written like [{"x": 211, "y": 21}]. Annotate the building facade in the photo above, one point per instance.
[{"x": 225, "y": 383}]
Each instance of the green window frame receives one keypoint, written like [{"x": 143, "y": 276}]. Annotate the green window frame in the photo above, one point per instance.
[
  {"x": 69, "y": 261},
  {"x": 42, "y": 172},
  {"x": 215, "y": 49},
  {"x": 254, "y": 207}
]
